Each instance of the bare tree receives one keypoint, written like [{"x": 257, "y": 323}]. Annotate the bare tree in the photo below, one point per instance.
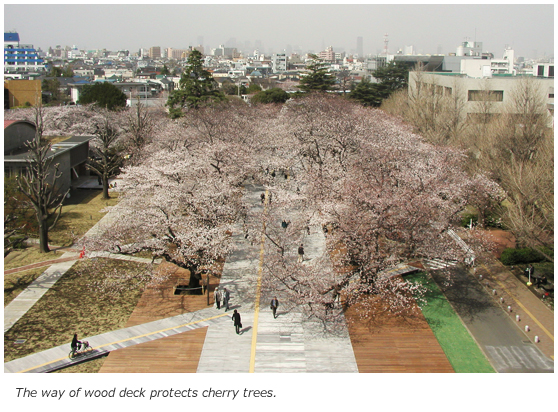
[
  {"x": 39, "y": 182},
  {"x": 106, "y": 159},
  {"x": 140, "y": 125}
]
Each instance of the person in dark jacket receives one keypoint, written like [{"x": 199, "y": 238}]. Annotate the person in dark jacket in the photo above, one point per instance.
[
  {"x": 236, "y": 321},
  {"x": 300, "y": 253},
  {"x": 274, "y": 305},
  {"x": 76, "y": 344}
]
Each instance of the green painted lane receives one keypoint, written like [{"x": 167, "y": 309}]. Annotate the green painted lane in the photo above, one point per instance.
[{"x": 460, "y": 348}]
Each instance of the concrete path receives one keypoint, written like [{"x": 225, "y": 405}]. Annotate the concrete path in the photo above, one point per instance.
[
  {"x": 29, "y": 296},
  {"x": 289, "y": 343}
]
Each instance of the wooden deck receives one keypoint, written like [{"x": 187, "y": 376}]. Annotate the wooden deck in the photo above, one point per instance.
[
  {"x": 178, "y": 353},
  {"x": 401, "y": 344}
]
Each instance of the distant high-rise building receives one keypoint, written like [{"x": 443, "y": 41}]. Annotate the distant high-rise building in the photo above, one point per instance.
[
  {"x": 409, "y": 50},
  {"x": 259, "y": 45},
  {"x": 155, "y": 52},
  {"x": 359, "y": 48}
]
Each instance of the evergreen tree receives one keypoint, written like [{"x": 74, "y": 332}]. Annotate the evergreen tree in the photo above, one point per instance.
[
  {"x": 392, "y": 77},
  {"x": 318, "y": 79},
  {"x": 104, "y": 94},
  {"x": 275, "y": 95},
  {"x": 196, "y": 87},
  {"x": 367, "y": 93}
]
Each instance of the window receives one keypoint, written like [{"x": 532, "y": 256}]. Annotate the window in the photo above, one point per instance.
[
  {"x": 486, "y": 95},
  {"x": 551, "y": 71},
  {"x": 540, "y": 71},
  {"x": 551, "y": 95}
]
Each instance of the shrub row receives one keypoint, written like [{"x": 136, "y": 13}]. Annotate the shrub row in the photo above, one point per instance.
[{"x": 525, "y": 255}]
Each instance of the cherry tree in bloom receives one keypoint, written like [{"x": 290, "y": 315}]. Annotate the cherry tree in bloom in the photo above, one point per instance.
[
  {"x": 388, "y": 196},
  {"x": 175, "y": 206}
]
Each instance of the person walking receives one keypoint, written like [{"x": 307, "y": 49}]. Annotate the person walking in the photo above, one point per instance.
[
  {"x": 274, "y": 305},
  {"x": 236, "y": 322},
  {"x": 300, "y": 253},
  {"x": 226, "y": 297},
  {"x": 217, "y": 297}
]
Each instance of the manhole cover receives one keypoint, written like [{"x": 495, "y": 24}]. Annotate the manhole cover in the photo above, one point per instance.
[{"x": 19, "y": 341}]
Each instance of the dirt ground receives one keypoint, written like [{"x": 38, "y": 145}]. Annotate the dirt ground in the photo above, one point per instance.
[{"x": 502, "y": 240}]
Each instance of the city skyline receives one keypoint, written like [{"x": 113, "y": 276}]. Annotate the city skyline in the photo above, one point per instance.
[{"x": 431, "y": 29}]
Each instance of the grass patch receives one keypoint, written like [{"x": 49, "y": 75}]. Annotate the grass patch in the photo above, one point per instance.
[
  {"x": 461, "y": 350},
  {"x": 72, "y": 305},
  {"x": 79, "y": 215},
  {"x": 15, "y": 283},
  {"x": 28, "y": 256}
]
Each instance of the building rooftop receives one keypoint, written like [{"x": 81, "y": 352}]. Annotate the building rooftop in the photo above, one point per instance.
[{"x": 56, "y": 149}]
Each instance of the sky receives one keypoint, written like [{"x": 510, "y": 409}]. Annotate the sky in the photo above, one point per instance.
[{"x": 430, "y": 28}]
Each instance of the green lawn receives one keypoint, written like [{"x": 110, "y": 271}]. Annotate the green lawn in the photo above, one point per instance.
[
  {"x": 75, "y": 305},
  {"x": 461, "y": 350}
]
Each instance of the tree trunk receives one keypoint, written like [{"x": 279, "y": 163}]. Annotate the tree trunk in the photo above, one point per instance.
[
  {"x": 105, "y": 187},
  {"x": 194, "y": 283},
  {"x": 43, "y": 236}
]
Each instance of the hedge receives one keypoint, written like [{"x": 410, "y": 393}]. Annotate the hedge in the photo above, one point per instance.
[{"x": 525, "y": 255}]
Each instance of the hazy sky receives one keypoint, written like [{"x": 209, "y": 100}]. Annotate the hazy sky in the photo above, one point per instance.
[{"x": 529, "y": 29}]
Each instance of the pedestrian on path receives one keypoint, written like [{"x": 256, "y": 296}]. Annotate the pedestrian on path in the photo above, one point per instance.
[
  {"x": 262, "y": 197},
  {"x": 236, "y": 322},
  {"x": 226, "y": 297},
  {"x": 300, "y": 253},
  {"x": 274, "y": 305},
  {"x": 217, "y": 297}
]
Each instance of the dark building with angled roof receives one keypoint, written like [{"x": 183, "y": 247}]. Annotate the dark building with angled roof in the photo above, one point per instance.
[{"x": 71, "y": 154}]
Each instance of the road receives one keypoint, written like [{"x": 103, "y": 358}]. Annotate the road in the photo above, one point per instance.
[{"x": 503, "y": 343}]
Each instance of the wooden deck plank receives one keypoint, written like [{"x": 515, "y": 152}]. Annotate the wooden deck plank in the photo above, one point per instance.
[
  {"x": 395, "y": 344},
  {"x": 178, "y": 353}
]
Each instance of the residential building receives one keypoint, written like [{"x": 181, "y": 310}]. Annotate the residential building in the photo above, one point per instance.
[
  {"x": 20, "y": 57},
  {"x": 279, "y": 62},
  {"x": 22, "y": 93},
  {"x": 328, "y": 55},
  {"x": 155, "y": 52}
]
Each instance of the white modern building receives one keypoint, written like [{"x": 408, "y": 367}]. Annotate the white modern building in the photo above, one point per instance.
[
  {"x": 474, "y": 92},
  {"x": 279, "y": 62},
  {"x": 20, "y": 58}
]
